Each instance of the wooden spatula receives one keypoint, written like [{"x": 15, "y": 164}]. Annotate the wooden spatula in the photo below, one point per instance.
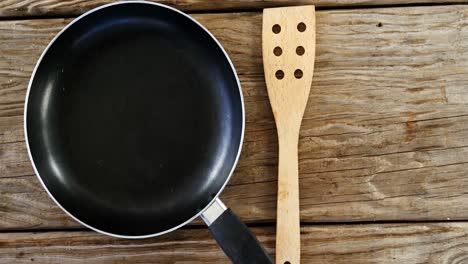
[{"x": 288, "y": 61}]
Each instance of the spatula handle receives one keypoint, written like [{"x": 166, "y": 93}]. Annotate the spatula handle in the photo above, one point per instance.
[{"x": 288, "y": 248}]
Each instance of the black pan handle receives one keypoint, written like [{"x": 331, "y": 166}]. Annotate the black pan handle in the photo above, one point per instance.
[{"x": 236, "y": 240}]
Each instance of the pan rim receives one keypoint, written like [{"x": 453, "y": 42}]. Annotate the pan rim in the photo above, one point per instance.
[{"x": 26, "y": 111}]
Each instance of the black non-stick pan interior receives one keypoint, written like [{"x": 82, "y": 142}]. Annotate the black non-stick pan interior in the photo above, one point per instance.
[{"x": 134, "y": 119}]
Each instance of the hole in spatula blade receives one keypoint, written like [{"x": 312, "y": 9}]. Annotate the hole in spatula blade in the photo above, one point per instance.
[
  {"x": 298, "y": 74},
  {"x": 277, "y": 51},
  {"x": 276, "y": 29},
  {"x": 301, "y": 27},
  {"x": 300, "y": 50},
  {"x": 279, "y": 74}
]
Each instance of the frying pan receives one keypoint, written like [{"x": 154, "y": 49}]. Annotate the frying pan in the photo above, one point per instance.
[{"x": 134, "y": 121}]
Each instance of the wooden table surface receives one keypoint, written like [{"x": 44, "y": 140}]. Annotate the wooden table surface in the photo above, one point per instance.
[{"x": 383, "y": 151}]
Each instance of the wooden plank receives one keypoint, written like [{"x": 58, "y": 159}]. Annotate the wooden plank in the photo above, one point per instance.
[
  {"x": 385, "y": 133},
  {"x": 16, "y": 8},
  {"x": 374, "y": 243}
]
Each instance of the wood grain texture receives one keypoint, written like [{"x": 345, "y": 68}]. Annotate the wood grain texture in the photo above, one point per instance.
[
  {"x": 283, "y": 31},
  {"x": 16, "y": 8},
  {"x": 388, "y": 243},
  {"x": 384, "y": 135}
]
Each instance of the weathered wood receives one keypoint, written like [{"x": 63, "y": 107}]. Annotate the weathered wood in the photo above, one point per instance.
[
  {"x": 384, "y": 136},
  {"x": 14, "y": 8},
  {"x": 374, "y": 243}
]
